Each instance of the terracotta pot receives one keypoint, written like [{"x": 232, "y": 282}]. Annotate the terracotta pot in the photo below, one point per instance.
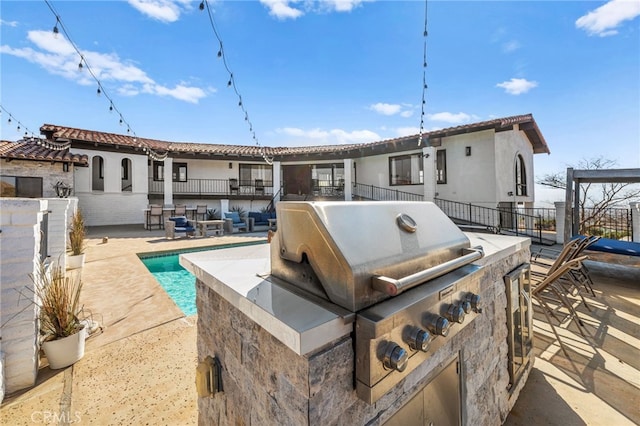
[
  {"x": 75, "y": 261},
  {"x": 63, "y": 352}
]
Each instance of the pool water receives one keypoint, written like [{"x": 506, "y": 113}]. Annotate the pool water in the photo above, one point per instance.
[{"x": 179, "y": 283}]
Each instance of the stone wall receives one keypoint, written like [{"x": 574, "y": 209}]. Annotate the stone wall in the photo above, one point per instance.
[
  {"x": 50, "y": 173},
  {"x": 19, "y": 250},
  {"x": 267, "y": 383}
]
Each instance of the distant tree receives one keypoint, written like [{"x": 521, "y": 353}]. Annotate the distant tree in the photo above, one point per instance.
[{"x": 595, "y": 198}]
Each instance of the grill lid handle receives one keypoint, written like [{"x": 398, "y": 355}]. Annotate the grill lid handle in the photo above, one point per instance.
[{"x": 393, "y": 286}]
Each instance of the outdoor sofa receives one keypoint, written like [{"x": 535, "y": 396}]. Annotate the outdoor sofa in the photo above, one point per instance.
[{"x": 259, "y": 221}]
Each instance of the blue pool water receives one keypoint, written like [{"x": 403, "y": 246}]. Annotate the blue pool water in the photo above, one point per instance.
[{"x": 179, "y": 283}]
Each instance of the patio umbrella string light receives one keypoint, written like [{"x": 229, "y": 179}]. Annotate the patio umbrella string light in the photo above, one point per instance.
[
  {"x": 424, "y": 74},
  {"x": 82, "y": 65},
  {"x": 232, "y": 83},
  {"x": 19, "y": 125}
]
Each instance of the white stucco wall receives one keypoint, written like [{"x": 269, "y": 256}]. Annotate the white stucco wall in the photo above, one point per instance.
[
  {"x": 112, "y": 206},
  {"x": 20, "y": 253},
  {"x": 507, "y": 147},
  {"x": 470, "y": 179}
]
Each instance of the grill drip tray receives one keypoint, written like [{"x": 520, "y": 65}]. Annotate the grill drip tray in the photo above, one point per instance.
[{"x": 394, "y": 337}]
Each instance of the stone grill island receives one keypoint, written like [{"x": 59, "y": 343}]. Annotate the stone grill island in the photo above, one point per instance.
[{"x": 454, "y": 350}]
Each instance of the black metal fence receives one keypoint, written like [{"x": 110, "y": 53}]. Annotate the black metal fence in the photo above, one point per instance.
[
  {"x": 497, "y": 220},
  {"x": 384, "y": 194},
  {"x": 609, "y": 223},
  {"x": 215, "y": 187}
]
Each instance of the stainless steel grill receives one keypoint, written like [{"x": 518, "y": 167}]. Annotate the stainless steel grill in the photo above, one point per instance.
[{"x": 402, "y": 267}]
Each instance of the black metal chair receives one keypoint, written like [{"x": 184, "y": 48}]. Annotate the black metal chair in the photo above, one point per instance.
[
  {"x": 259, "y": 187},
  {"x": 233, "y": 186},
  {"x": 155, "y": 211},
  {"x": 201, "y": 212}
]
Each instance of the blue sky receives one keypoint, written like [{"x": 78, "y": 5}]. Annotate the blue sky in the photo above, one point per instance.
[{"x": 325, "y": 72}]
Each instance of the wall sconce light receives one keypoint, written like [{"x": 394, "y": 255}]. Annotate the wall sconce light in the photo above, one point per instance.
[
  {"x": 231, "y": 165},
  {"x": 427, "y": 155},
  {"x": 65, "y": 167},
  {"x": 467, "y": 151},
  {"x": 208, "y": 377},
  {"x": 510, "y": 193}
]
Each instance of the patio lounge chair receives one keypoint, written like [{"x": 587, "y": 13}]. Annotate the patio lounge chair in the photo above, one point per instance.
[
  {"x": 549, "y": 283},
  {"x": 178, "y": 224}
]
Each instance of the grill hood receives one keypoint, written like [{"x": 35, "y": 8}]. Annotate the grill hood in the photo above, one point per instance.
[{"x": 356, "y": 254}]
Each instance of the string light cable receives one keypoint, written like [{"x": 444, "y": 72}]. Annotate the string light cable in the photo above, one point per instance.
[
  {"x": 19, "y": 126},
  {"x": 84, "y": 65},
  {"x": 424, "y": 74},
  {"x": 204, "y": 4}
]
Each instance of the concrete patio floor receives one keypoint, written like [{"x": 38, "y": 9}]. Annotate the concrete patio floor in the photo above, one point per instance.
[{"x": 141, "y": 368}]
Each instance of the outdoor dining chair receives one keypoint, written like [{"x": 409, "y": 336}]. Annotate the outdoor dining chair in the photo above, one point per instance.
[
  {"x": 180, "y": 210},
  {"x": 155, "y": 211},
  {"x": 201, "y": 212}
]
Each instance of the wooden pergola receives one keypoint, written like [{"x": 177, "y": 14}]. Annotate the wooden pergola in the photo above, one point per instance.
[{"x": 577, "y": 177}]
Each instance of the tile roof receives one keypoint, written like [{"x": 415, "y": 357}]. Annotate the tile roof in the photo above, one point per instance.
[
  {"x": 526, "y": 123},
  {"x": 30, "y": 150}
]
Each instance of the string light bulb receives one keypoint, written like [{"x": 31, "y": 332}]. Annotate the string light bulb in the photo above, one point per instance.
[
  {"x": 201, "y": 7},
  {"x": 98, "y": 92},
  {"x": 80, "y": 66}
]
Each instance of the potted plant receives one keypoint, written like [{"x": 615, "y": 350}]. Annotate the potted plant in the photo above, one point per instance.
[
  {"x": 77, "y": 233},
  {"x": 62, "y": 331}
]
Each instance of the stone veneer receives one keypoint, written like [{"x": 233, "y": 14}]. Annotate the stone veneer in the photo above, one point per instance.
[
  {"x": 51, "y": 173},
  {"x": 265, "y": 382}
]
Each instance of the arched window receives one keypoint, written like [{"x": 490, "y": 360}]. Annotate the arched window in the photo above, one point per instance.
[
  {"x": 97, "y": 173},
  {"x": 126, "y": 175},
  {"x": 521, "y": 176}
]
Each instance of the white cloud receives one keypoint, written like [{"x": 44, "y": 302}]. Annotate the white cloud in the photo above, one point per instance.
[
  {"x": 404, "y": 110},
  {"x": 449, "y": 117},
  {"x": 281, "y": 9},
  {"x": 511, "y": 46},
  {"x": 161, "y": 10},
  {"x": 385, "y": 109},
  {"x": 517, "y": 86},
  {"x": 329, "y": 137},
  {"x": 604, "y": 20},
  {"x": 56, "y": 55},
  {"x": 292, "y": 9},
  {"x": 406, "y": 131},
  {"x": 8, "y": 23}
]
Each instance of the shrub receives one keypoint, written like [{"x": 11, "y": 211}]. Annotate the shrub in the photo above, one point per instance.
[{"x": 77, "y": 233}]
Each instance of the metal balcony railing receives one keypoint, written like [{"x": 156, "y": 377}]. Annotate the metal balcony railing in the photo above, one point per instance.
[{"x": 215, "y": 187}]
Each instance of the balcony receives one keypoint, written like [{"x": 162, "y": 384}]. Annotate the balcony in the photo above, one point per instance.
[{"x": 215, "y": 189}]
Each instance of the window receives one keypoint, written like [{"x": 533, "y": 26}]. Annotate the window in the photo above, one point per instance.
[
  {"x": 250, "y": 172},
  {"x": 179, "y": 172},
  {"x": 521, "y": 177},
  {"x": 158, "y": 170},
  {"x": 19, "y": 186},
  {"x": 97, "y": 173},
  {"x": 441, "y": 166},
  {"x": 406, "y": 170},
  {"x": 126, "y": 175}
]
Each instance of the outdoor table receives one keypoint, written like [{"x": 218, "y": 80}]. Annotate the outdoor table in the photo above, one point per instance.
[{"x": 216, "y": 226}]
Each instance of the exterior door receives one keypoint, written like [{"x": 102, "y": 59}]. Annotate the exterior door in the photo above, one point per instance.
[{"x": 297, "y": 179}]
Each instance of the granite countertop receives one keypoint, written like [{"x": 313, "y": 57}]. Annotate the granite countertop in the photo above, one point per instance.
[{"x": 240, "y": 275}]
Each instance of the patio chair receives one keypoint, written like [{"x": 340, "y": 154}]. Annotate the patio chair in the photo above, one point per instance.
[
  {"x": 179, "y": 224},
  {"x": 155, "y": 211},
  {"x": 259, "y": 187},
  {"x": 549, "y": 284},
  {"x": 180, "y": 210},
  {"x": 233, "y": 186},
  {"x": 201, "y": 212}
]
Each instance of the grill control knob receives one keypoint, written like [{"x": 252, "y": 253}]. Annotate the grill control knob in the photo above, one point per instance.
[
  {"x": 474, "y": 300},
  {"x": 466, "y": 307},
  {"x": 419, "y": 340},
  {"x": 439, "y": 326},
  {"x": 395, "y": 358},
  {"x": 455, "y": 313}
]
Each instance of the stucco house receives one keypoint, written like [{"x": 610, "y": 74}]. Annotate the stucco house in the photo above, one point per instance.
[{"x": 489, "y": 163}]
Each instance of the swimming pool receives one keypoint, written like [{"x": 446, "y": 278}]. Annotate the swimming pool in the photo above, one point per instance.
[{"x": 179, "y": 283}]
